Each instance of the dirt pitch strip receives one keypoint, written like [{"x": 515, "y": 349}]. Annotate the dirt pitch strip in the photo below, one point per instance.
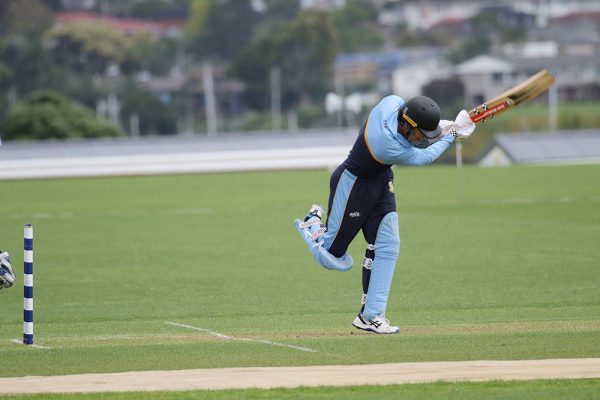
[{"x": 290, "y": 377}]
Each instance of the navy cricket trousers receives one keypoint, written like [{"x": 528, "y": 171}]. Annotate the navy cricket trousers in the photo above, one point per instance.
[{"x": 356, "y": 204}]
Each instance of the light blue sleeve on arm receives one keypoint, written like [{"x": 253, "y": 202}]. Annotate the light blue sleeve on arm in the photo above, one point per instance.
[
  {"x": 409, "y": 155},
  {"x": 389, "y": 147}
]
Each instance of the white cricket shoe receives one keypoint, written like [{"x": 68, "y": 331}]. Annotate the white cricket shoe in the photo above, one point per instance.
[
  {"x": 315, "y": 211},
  {"x": 7, "y": 276},
  {"x": 312, "y": 222},
  {"x": 378, "y": 324}
]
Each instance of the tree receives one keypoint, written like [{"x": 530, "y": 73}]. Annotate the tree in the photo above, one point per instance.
[
  {"x": 220, "y": 29},
  {"x": 92, "y": 47},
  {"x": 486, "y": 29},
  {"x": 490, "y": 23},
  {"x": 308, "y": 47},
  {"x": 405, "y": 37},
  {"x": 195, "y": 24},
  {"x": 356, "y": 26},
  {"x": 469, "y": 48},
  {"x": 32, "y": 67},
  {"x": 25, "y": 18},
  {"x": 155, "y": 117},
  {"x": 304, "y": 49},
  {"x": 282, "y": 9},
  {"x": 156, "y": 57},
  {"x": 253, "y": 66},
  {"x": 5, "y": 71},
  {"x": 159, "y": 9},
  {"x": 49, "y": 115}
]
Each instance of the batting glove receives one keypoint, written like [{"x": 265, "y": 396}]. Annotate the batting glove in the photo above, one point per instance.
[{"x": 461, "y": 128}]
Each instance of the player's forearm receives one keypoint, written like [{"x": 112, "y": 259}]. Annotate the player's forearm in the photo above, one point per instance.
[{"x": 428, "y": 155}]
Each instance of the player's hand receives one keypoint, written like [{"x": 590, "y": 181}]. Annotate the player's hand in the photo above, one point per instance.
[
  {"x": 7, "y": 276},
  {"x": 446, "y": 126},
  {"x": 462, "y": 127}
]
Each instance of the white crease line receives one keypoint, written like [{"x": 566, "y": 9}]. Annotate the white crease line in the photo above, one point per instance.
[
  {"x": 510, "y": 201},
  {"x": 220, "y": 335},
  {"x": 178, "y": 211},
  {"x": 17, "y": 341}
]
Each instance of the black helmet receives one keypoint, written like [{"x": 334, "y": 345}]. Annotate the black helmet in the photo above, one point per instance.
[{"x": 423, "y": 113}]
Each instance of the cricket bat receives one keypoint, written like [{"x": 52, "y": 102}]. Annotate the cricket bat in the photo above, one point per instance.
[{"x": 524, "y": 91}]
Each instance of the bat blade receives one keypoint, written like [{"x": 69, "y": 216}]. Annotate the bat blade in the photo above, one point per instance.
[{"x": 524, "y": 91}]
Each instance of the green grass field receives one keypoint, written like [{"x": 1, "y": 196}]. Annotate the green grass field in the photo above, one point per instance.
[
  {"x": 530, "y": 390},
  {"x": 494, "y": 264}
]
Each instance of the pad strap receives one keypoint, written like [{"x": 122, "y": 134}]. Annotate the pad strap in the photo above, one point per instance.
[
  {"x": 309, "y": 223},
  {"x": 367, "y": 262},
  {"x": 363, "y": 299},
  {"x": 318, "y": 233}
]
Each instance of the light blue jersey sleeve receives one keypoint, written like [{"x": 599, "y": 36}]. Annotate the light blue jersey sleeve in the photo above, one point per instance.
[{"x": 388, "y": 146}]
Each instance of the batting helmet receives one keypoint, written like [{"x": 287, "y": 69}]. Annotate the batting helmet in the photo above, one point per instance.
[{"x": 423, "y": 113}]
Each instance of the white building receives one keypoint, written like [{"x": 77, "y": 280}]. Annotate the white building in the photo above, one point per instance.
[
  {"x": 484, "y": 77},
  {"x": 408, "y": 79},
  {"x": 322, "y": 4}
]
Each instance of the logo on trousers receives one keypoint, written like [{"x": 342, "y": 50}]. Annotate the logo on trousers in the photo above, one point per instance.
[{"x": 354, "y": 214}]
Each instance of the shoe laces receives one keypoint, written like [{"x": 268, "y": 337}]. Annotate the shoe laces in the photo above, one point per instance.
[{"x": 382, "y": 320}]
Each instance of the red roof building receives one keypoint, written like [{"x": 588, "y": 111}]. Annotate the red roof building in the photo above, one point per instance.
[{"x": 129, "y": 26}]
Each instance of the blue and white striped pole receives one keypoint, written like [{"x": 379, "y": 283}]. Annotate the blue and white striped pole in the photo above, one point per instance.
[{"x": 28, "y": 285}]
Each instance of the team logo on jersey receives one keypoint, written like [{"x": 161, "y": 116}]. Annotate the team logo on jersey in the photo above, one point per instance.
[
  {"x": 354, "y": 214},
  {"x": 391, "y": 186}
]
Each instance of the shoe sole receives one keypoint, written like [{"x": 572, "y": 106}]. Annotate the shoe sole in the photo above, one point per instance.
[{"x": 369, "y": 329}]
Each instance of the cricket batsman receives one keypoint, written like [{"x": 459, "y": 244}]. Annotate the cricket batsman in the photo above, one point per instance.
[
  {"x": 7, "y": 276},
  {"x": 397, "y": 132}
]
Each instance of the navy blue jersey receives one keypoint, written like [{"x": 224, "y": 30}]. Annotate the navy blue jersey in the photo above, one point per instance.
[{"x": 360, "y": 161}]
